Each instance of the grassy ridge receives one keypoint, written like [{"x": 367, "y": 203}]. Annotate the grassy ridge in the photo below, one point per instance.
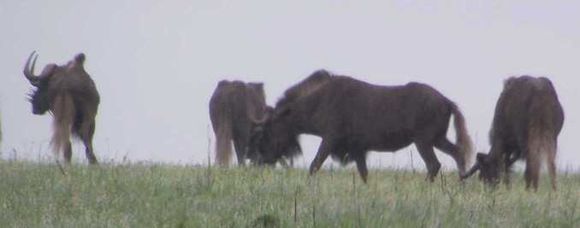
[{"x": 39, "y": 195}]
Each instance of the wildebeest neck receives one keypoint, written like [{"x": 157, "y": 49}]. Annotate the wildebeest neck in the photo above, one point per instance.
[{"x": 305, "y": 87}]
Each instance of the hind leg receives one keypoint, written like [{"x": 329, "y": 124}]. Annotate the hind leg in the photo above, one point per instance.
[
  {"x": 67, "y": 152},
  {"x": 428, "y": 155},
  {"x": 452, "y": 150},
  {"x": 532, "y": 172},
  {"x": 552, "y": 168},
  {"x": 87, "y": 137}
]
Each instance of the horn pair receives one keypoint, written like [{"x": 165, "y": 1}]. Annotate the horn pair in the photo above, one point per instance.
[{"x": 29, "y": 71}]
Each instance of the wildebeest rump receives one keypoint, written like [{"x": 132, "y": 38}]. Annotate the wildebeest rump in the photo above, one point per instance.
[
  {"x": 234, "y": 107},
  {"x": 353, "y": 117},
  {"x": 528, "y": 119},
  {"x": 71, "y": 96}
]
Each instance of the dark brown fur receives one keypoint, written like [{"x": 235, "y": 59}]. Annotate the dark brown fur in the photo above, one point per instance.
[
  {"x": 305, "y": 87},
  {"x": 528, "y": 119},
  {"x": 353, "y": 117},
  {"x": 234, "y": 107},
  {"x": 69, "y": 93}
]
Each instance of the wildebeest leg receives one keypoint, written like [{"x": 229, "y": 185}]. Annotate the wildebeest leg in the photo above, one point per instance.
[
  {"x": 428, "y": 155},
  {"x": 87, "y": 137},
  {"x": 361, "y": 165},
  {"x": 509, "y": 160},
  {"x": 323, "y": 151},
  {"x": 552, "y": 168},
  {"x": 532, "y": 172},
  {"x": 452, "y": 150},
  {"x": 240, "y": 147},
  {"x": 507, "y": 168},
  {"x": 67, "y": 152},
  {"x": 291, "y": 162},
  {"x": 283, "y": 163}
]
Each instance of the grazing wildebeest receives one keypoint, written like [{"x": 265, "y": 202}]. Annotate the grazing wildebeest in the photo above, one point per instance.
[
  {"x": 353, "y": 117},
  {"x": 71, "y": 96},
  {"x": 528, "y": 118},
  {"x": 234, "y": 107}
]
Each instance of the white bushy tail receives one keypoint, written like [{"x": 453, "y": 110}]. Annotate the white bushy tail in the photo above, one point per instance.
[{"x": 63, "y": 111}]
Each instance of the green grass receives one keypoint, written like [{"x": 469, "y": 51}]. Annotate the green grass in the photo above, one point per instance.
[{"x": 137, "y": 195}]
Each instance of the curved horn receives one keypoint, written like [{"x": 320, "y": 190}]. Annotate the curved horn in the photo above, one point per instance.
[
  {"x": 29, "y": 71},
  {"x": 471, "y": 171}
]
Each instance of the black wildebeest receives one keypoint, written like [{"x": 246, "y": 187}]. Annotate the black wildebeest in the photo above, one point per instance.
[
  {"x": 71, "y": 96},
  {"x": 353, "y": 117},
  {"x": 234, "y": 107},
  {"x": 528, "y": 119}
]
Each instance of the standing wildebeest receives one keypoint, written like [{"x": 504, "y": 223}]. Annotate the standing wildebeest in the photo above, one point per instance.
[
  {"x": 71, "y": 96},
  {"x": 528, "y": 118},
  {"x": 233, "y": 108},
  {"x": 353, "y": 117}
]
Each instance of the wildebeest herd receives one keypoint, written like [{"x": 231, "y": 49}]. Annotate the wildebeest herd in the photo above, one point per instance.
[{"x": 351, "y": 117}]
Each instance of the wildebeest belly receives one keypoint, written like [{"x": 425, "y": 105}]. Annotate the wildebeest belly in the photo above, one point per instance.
[{"x": 386, "y": 142}]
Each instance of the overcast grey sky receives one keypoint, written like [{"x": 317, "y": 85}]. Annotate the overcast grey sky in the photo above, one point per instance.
[{"x": 156, "y": 63}]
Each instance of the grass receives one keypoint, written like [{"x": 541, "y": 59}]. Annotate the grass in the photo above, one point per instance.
[{"x": 152, "y": 195}]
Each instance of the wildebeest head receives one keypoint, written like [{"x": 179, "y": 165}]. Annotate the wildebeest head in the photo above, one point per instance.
[
  {"x": 276, "y": 137},
  {"x": 39, "y": 97},
  {"x": 273, "y": 139},
  {"x": 488, "y": 167}
]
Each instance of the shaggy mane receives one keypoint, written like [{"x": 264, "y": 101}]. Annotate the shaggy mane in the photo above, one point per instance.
[{"x": 312, "y": 83}]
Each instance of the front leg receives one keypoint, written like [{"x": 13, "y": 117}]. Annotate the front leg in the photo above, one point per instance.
[
  {"x": 507, "y": 171},
  {"x": 323, "y": 151},
  {"x": 509, "y": 160},
  {"x": 361, "y": 165}
]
